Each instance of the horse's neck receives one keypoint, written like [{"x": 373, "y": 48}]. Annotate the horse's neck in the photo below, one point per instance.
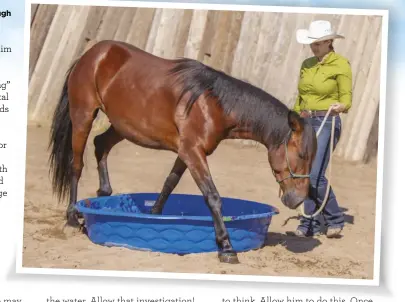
[{"x": 245, "y": 132}]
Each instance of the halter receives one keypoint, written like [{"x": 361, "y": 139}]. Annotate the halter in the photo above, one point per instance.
[
  {"x": 320, "y": 209},
  {"x": 292, "y": 174}
]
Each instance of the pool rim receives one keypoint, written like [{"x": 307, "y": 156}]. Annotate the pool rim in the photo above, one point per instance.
[{"x": 88, "y": 211}]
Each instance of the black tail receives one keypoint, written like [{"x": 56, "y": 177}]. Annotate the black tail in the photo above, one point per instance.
[{"x": 61, "y": 144}]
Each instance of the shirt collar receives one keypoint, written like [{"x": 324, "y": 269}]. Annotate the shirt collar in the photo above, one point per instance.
[{"x": 328, "y": 58}]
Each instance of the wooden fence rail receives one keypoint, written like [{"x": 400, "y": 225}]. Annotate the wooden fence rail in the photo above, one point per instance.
[{"x": 258, "y": 47}]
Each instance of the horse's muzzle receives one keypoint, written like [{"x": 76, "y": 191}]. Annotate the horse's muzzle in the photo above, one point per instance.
[{"x": 291, "y": 200}]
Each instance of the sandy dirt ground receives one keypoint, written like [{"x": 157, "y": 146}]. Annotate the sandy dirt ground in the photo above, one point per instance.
[{"x": 238, "y": 171}]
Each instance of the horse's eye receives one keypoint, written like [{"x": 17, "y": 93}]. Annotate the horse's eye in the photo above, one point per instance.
[{"x": 301, "y": 155}]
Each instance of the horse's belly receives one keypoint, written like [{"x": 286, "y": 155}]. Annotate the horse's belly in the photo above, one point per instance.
[
  {"x": 141, "y": 110},
  {"x": 148, "y": 136}
]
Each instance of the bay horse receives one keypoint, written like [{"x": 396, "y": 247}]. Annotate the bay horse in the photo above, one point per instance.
[{"x": 179, "y": 105}]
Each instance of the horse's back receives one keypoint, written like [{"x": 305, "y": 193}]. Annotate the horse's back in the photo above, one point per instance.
[
  {"x": 121, "y": 48},
  {"x": 140, "y": 96}
]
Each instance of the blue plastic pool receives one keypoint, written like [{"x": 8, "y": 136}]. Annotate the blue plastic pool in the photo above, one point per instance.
[{"x": 185, "y": 226}]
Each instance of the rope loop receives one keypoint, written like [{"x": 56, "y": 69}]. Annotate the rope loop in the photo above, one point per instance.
[{"x": 332, "y": 136}]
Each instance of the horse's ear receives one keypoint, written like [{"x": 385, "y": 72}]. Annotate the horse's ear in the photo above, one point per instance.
[{"x": 295, "y": 121}]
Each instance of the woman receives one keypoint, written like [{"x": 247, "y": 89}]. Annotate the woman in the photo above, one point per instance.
[{"x": 325, "y": 81}]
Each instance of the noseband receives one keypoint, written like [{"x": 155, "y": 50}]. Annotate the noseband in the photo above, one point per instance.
[{"x": 292, "y": 174}]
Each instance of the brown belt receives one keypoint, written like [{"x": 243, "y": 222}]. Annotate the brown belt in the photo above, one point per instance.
[{"x": 313, "y": 113}]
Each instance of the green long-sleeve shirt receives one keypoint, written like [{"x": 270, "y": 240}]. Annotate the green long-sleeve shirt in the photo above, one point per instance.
[{"x": 322, "y": 84}]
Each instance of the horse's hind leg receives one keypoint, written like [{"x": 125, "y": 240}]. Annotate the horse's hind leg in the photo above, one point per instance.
[
  {"x": 81, "y": 126},
  {"x": 103, "y": 144},
  {"x": 171, "y": 182},
  {"x": 196, "y": 162}
]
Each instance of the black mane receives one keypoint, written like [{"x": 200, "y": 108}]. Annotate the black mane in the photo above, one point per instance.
[{"x": 250, "y": 104}]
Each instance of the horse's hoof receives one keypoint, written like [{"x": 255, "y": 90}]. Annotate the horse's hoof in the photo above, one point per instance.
[
  {"x": 73, "y": 222},
  {"x": 101, "y": 192},
  {"x": 228, "y": 257},
  {"x": 72, "y": 229}
]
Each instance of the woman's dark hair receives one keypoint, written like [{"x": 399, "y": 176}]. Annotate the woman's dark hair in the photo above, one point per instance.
[{"x": 331, "y": 45}]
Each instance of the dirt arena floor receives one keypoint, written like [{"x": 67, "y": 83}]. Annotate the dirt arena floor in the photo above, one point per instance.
[{"x": 238, "y": 171}]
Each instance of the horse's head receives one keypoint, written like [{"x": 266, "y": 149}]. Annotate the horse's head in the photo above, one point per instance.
[{"x": 291, "y": 162}]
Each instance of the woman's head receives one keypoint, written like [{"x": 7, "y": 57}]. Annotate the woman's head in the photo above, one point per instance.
[
  {"x": 319, "y": 36},
  {"x": 321, "y": 48}
]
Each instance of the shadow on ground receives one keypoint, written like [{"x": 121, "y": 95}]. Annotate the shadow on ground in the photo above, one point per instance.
[{"x": 292, "y": 243}]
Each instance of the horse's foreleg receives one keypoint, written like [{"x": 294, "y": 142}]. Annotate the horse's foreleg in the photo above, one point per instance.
[
  {"x": 196, "y": 162},
  {"x": 103, "y": 144},
  {"x": 171, "y": 182}
]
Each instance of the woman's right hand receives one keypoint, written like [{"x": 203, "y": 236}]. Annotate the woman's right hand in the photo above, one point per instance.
[{"x": 338, "y": 108}]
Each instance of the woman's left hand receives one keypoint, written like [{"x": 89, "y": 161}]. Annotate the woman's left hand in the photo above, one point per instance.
[{"x": 338, "y": 108}]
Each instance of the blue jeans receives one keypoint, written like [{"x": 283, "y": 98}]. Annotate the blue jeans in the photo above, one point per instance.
[{"x": 332, "y": 214}]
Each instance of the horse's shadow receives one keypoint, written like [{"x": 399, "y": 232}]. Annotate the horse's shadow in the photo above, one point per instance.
[{"x": 291, "y": 243}]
